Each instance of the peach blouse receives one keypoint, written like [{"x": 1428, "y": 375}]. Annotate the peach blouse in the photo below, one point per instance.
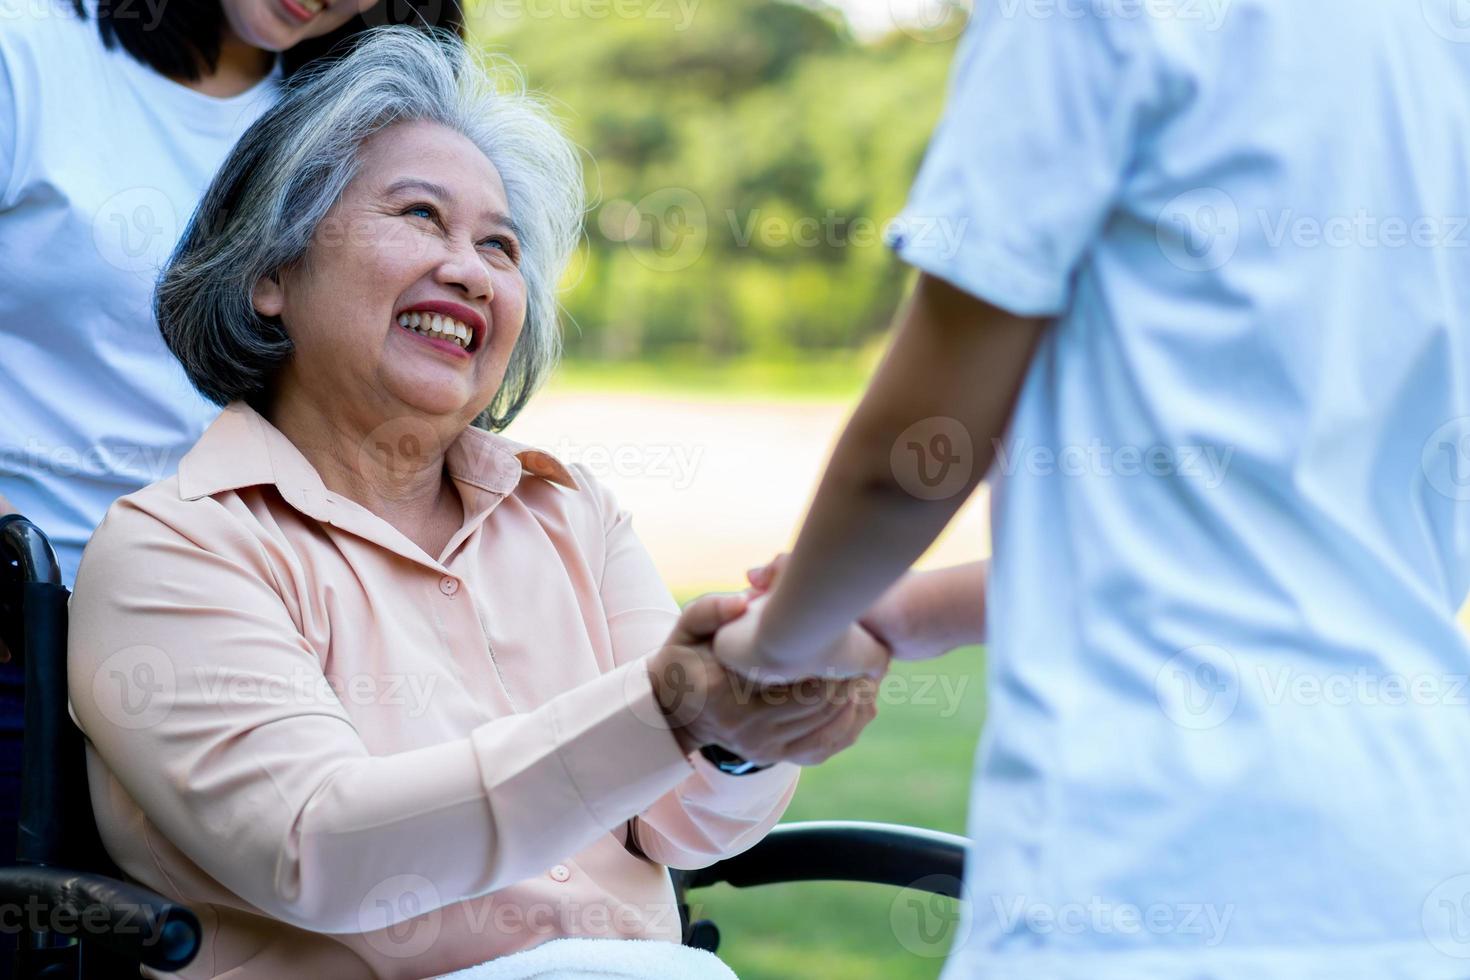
[{"x": 354, "y": 759}]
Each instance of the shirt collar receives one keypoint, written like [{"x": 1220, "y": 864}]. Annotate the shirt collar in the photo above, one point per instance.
[{"x": 242, "y": 449}]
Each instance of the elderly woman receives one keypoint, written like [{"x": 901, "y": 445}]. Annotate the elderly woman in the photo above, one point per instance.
[{"x": 379, "y": 692}]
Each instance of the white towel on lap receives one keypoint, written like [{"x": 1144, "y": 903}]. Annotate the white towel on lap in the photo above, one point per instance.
[{"x": 597, "y": 959}]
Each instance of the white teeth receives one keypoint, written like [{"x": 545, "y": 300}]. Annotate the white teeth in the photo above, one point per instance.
[
  {"x": 435, "y": 324},
  {"x": 312, "y": 6}
]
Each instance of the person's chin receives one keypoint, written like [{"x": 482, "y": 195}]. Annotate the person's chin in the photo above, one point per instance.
[
  {"x": 270, "y": 30},
  {"x": 270, "y": 35},
  {"x": 430, "y": 394}
]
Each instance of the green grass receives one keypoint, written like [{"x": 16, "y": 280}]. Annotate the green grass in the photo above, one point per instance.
[
  {"x": 838, "y": 376},
  {"x": 912, "y": 766}
]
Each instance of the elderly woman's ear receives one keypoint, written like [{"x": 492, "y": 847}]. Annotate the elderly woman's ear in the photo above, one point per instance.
[{"x": 267, "y": 297}]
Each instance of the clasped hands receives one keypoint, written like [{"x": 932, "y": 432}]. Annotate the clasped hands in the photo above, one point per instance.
[{"x": 713, "y": 688}]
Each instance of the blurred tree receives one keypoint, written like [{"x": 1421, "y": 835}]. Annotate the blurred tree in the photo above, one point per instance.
[{"x": 743, "y": 159}]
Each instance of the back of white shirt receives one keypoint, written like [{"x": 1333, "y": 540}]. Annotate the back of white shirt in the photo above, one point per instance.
[
  {"x": 1229, "y": 718},
  {"x": 102, "y": 162}
]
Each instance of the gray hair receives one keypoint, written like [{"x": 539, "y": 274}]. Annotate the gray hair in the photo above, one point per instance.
[{"x": 291, "y": 167}]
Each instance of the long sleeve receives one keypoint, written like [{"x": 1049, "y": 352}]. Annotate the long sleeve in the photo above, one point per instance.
[
  {"x": 709, "y": 815},
  {"x": 199, "y": 693}
]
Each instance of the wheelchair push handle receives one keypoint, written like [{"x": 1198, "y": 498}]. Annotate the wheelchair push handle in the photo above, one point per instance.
[
  {"x": 129, "y": 920},
  {"x": 56, "y": 832},
  {"x": 25, "y": 554}
]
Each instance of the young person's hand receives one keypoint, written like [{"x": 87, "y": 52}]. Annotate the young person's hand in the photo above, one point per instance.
[
  {"x": 922, "y": 615},
  {"x": 854, "y": 653},
  {"x": 887, "y": 619},
  {"x": 804, "y": 722}
]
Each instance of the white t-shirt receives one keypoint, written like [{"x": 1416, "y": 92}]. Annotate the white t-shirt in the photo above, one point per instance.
[
  {"x": 1229, "y": 723},
  {"x": 102, "y": 162}
]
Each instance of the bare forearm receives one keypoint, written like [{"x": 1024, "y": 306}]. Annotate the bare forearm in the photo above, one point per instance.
[
  {"x": 956, "y": 364},
  {"x": 928, "y": 614}
]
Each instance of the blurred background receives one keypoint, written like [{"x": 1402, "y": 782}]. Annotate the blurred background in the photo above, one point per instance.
[{"x": 733, "y": 293}]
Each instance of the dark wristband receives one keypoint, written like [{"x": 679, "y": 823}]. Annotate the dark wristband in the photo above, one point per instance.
[{"x": 728, "y": 762}]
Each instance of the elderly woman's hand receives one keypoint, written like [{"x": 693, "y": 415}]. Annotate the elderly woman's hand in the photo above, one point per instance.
[{"x": 805, "y": 722}]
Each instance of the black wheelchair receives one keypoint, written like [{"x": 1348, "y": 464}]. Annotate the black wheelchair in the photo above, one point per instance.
[{"x": 76, "y": 918}]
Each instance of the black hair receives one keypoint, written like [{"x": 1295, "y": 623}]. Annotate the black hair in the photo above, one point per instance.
[{"x": 182, "y": 39}]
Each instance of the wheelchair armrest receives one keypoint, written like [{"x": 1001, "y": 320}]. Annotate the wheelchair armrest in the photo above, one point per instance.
[
  {"x": 127, "y": 919},
  {"x": 845, "y": 850}
]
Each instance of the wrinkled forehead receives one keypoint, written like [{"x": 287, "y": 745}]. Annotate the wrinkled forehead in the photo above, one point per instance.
[{"x": 428, "y": 158}]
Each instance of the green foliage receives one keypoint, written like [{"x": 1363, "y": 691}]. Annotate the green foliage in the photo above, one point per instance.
[{"x": 742, "y": 160}]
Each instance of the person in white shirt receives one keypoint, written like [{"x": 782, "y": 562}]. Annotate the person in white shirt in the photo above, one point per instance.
[
  {"x": 1194, "y": 292},
  {"x": 113, "y": 120}
]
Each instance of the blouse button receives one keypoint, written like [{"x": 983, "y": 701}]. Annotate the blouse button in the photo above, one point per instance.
[
  {"x": 561, "y": 873},
  {"x": 448, "y": 585}
]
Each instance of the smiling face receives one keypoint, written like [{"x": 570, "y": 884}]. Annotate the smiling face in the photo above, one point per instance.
[
  {"x": 422, "y": 233},
  {"x": 276, "y": 25}
]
